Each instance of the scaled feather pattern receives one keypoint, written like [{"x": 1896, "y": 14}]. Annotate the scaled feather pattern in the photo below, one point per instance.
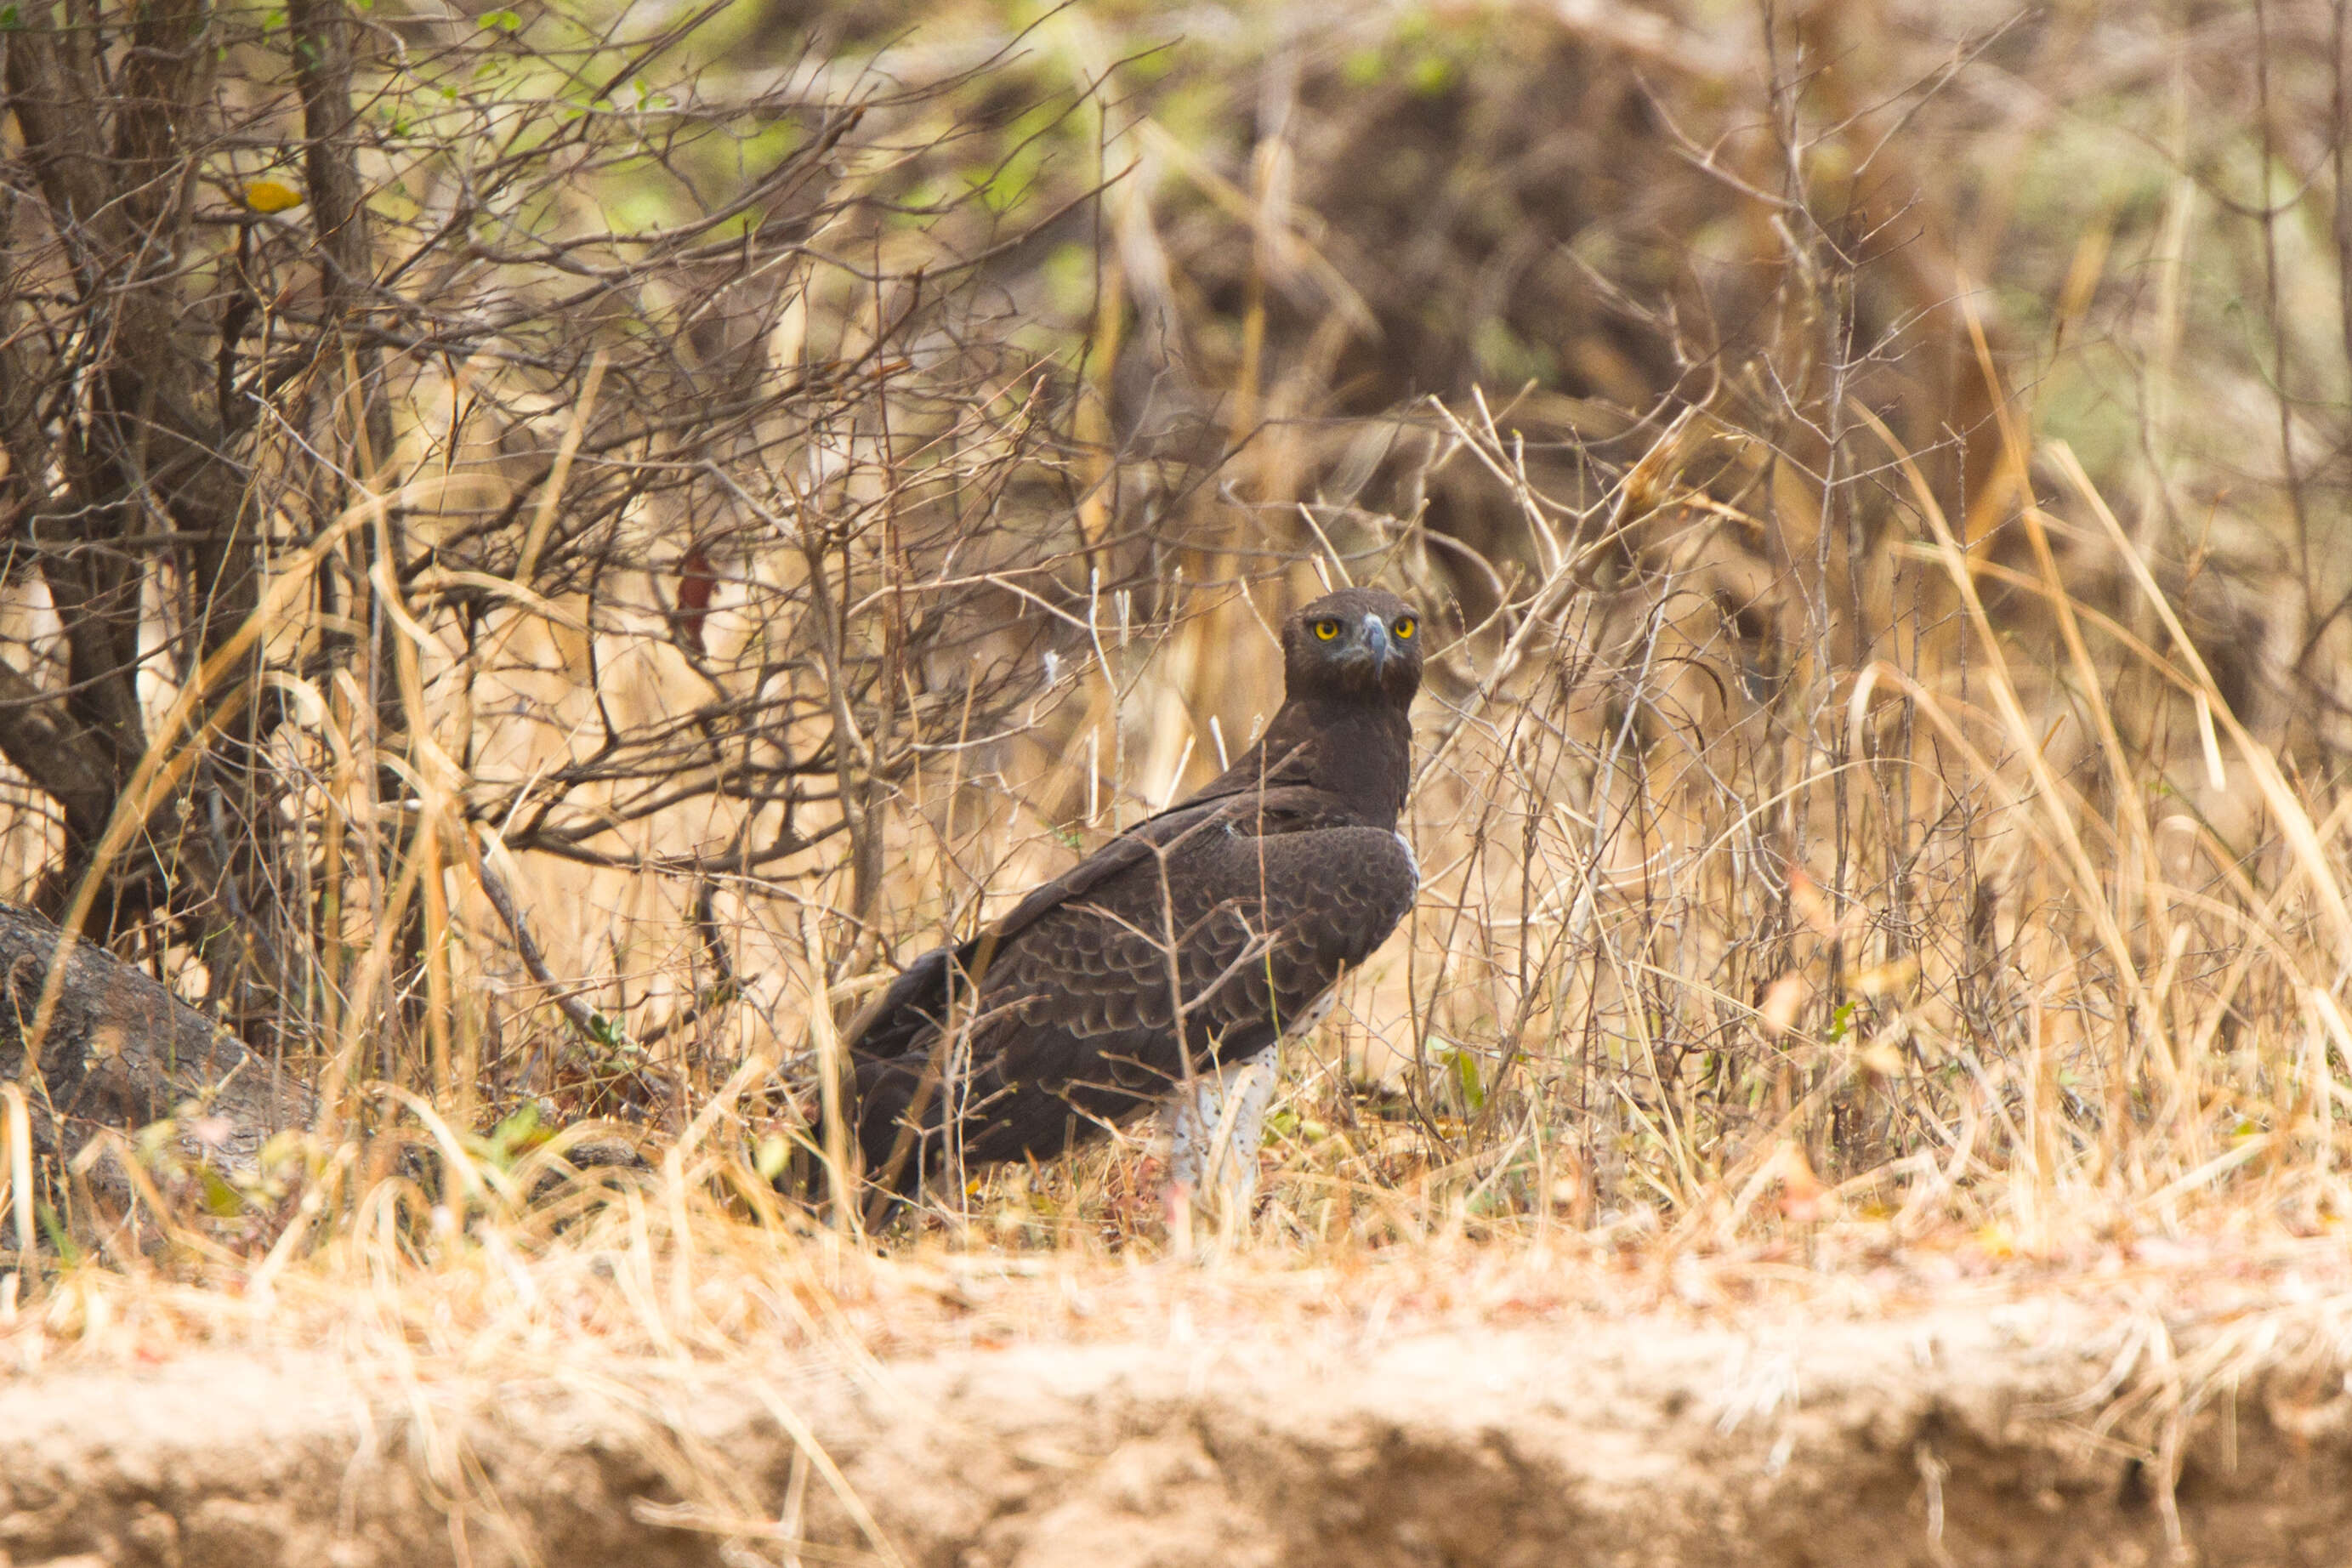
[{"x": 1193, "y": 942}]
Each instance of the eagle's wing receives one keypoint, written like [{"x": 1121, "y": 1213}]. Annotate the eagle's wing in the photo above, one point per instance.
[
  {"x": 916, "y": 1004},
  {"x": 1074, "y": 1003}
]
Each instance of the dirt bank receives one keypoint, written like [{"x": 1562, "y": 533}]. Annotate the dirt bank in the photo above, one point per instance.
[{"x": 1947, "y": 1438}]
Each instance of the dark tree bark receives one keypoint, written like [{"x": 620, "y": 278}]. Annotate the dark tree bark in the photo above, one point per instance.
[
  {"x": 238, "y": 309},
  {"x": 112, "y": 163},
  {"x": 122, "y": 1051}
]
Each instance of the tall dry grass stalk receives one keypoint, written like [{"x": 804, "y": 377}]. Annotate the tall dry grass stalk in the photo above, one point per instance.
[{"x": 833, "y": 500}]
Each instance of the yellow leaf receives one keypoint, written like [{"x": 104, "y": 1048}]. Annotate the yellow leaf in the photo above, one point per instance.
[{"x": 271, "y": 196}]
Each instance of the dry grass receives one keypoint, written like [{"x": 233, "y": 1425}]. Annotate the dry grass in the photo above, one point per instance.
[
  {"x": 1863, "y": 837},
  {"x": 640, "y": 1305}
]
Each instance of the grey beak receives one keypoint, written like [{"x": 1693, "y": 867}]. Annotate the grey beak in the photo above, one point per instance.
[{"x": 1376, "y": 638}]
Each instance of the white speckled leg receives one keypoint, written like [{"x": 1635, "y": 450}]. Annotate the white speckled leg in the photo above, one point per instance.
[{"x": 1214, "y": 1130}]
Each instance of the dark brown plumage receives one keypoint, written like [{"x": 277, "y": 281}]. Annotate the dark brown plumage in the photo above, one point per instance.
[{"x": 1263, "y": 887}]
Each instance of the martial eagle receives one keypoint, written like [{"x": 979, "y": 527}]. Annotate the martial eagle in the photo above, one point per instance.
[{"x": 1235, "y": 911}]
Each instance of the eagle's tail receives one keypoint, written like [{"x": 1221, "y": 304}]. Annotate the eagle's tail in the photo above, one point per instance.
[
  {"x": 882, "y": 1106},
  {"x": 897, "y": 1117}
]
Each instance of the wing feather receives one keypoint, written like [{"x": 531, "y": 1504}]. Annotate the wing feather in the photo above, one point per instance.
[{"x": 1075, "y": 1014}]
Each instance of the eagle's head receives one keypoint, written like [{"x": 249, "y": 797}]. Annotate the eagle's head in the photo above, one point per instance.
[{"x": 1354, "y": 644}]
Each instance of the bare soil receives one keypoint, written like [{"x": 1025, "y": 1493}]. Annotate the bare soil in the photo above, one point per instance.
[{"x": 1969, "y": 1437}]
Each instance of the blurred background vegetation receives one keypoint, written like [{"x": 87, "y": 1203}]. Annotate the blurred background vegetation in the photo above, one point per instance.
[{"x": 549, "y": 546}]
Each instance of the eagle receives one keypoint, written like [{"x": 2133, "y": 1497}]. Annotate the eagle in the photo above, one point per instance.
[{"x": 1165, "y": 968}]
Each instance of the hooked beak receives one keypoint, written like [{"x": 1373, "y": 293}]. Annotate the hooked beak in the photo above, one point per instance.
[{"x": 1376, "y": 641}]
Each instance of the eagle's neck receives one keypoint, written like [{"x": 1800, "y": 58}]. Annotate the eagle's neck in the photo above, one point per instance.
[{"x": 1358, "y": 750}]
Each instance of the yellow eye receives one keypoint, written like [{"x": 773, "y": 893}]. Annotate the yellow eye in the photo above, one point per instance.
[
  {"x": 1327, "y": 630},
  {"x": 1403, "y": 628}
]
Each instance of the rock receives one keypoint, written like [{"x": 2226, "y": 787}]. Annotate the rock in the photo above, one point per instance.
[{"x": 122, "y": 1052}]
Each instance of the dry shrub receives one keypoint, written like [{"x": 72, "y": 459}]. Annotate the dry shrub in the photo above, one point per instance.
[{"x": 1874, "y": 468}]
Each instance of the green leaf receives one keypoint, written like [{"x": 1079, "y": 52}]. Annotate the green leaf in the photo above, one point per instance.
[
  {"x": 221, "y": 1200},
  {"x": 1433, "y": 75},
  {"x": 59, "y": 1242},
  {"x": 770, "y": 1158},
  {"x": 519, "y": 1131},
  {"x": 1466, "y": 1079}
]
